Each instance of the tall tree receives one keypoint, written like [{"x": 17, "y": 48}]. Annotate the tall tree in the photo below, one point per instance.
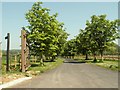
[
  {"x": 102, "y": 31},
  {"x": 83, "y": 43},
  {"x": 44, "y": 32}
]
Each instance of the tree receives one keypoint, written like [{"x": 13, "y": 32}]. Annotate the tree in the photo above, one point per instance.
[
  {"x": 97, "y": 34},
  {"x": 101, "y": 31},
  {"x": 44, "y": 32},
  {"x": 83, "y": 43},
  {"x": 70, "y": 48}
]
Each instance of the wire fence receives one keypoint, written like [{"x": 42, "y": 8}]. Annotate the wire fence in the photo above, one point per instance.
[
  {"x": 15, "y": 62},
  {"x": 105, "y": 57}
]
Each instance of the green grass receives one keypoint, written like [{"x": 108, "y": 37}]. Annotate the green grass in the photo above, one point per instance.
[
  {"x": 36, "y": 69},
  {"x": 109, "y": 64}
]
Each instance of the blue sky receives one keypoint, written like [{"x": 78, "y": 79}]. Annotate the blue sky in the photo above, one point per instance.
[
  {"x": 0, "y": 20},
  {"x": 60, "y": 0},
  {"x": 74, "y": 16}
]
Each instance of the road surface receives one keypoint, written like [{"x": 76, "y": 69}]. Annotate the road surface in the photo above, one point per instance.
[{"x": 74, "y": 75}]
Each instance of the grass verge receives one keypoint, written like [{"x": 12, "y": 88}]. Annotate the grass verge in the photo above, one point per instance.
[
  {"x": 36, "y": 69},
  {"x": 109, "y": 64}
]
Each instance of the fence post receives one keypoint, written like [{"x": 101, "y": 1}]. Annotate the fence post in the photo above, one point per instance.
[
  {"x": 23, "y": 49},
  {"x": 8, "y": 45}
]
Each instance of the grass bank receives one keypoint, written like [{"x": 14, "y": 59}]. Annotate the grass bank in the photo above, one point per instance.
[
  {"x": 109, "y": 64},
  {"x": 36, "y": 69}
]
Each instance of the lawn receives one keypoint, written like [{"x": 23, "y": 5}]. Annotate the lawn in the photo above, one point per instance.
[
  {"x": 36, "y": 69},
  {"x": 109, "y": 64}
]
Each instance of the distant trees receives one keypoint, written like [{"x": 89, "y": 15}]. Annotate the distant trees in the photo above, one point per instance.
[
  {"x": 70, "y": 48},
  {"x": 46, "y": 35},
  {"x": 112, "y": 49},
  {"x": 95, "y": 38},
  {"x": 98, "y": 32}
]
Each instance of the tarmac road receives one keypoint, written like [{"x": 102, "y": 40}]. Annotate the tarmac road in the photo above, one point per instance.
[{"x": 74, "y": 75}]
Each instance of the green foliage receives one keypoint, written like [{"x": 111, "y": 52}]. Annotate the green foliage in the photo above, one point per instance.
[
  {"x": 46, "y": 35},
  {"x": 83, "y": 43},
  {"x": 110, "y": 64},
  {"x": 98, "y": 33},
  {"x": 70, "y": 48},
  {"x": 112, "y": 49},
  {"x": 102, "y": 31}
]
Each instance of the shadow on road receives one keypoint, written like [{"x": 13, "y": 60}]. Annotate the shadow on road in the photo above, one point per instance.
[{"x": 73, "y": 61}]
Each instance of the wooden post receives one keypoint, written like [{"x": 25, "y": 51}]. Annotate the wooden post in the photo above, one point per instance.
[
  {"x": 8, "y": 45},
  {"x": 20, "y": 64},
  {"x": 23, "y": 49},
  {"x": 27, "y": 55}
]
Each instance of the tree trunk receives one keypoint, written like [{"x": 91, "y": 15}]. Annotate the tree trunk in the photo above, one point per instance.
[
  {"x": 73, "y": 57},
  {"x": 53, "y": 59},
  {"x": 94, "y": 60},
  {"x": 41, "y": 60},
  {"x": 86, "y": 56},
  {"x": 101, "y": 55}
]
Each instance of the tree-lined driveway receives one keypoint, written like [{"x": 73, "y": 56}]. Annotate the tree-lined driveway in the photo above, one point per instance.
[{"x": 74, "y": 75}]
